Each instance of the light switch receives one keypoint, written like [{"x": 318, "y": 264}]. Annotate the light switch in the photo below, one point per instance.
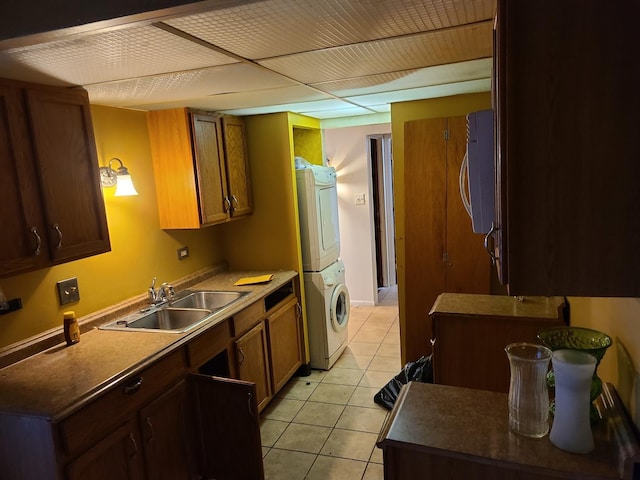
[{"x": 360, "y": 199}]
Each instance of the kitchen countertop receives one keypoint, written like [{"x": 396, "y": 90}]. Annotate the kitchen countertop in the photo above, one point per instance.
[
  {"x": 473, "y": 425},
  {"x": 58, "y": 381},
  {"x": 498, "y": 305}
]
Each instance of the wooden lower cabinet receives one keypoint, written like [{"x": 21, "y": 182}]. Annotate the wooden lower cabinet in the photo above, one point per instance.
[
  {"x": 285, "y": 343},
  {"x": 164, "y": 428},
  {"x": 471, "y": 332},
  {"x": 118, "y": 455},
  {"x": 252, "y": 356}
]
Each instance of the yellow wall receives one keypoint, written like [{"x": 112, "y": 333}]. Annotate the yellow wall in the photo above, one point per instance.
[
  {"x": 140, "y": 250},
  {"x": 401, "y": 113}
]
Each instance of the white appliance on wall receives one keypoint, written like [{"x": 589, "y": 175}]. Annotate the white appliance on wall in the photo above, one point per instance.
[
  {"x": 326, "y": 295},
  {"x": 478, "y": 164},
  {"x": 327, "y": 301},
  {"x": 318, "y": 207}
]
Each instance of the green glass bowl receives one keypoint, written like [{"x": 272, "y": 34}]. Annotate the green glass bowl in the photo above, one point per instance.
[{"x": 576, "y": 338}]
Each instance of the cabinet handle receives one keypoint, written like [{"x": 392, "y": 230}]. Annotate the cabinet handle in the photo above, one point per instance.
[
  {"x": 227, "y": 204},
  {"x": 132, "y": 387},
  {"x": 150, "y": 425},
  {"x": 241, "y": 361},
  {"x": 249, "y": 404},
  {"x": 34, "y": 230},
  {"x": 56, "y": 227},
  {"x": 234, "y": 201},
  {"x": 488, "y": 236},
  {"x": 298, "y": 310},
  {"x": 134, "y": 445}
]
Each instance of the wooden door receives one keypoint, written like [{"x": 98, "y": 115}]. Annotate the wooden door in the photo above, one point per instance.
[
  {"x": 442, "y": 254},
  {"x": 253, "y": 362},
  {"x": 227, "y": 427},
  {"x": 214, "y": 201},
  {"x": 166, "y": 436},
  {"x": 67, "y": 165},
  {"x": 285, "y": 342},
  {"x": 237, "y": 165},
  {"x": 425, "y": 229},
  {"x": 23, "y": 237},
  {"x": 468, "y": 266},
  {"x": 119, "y": 455}
]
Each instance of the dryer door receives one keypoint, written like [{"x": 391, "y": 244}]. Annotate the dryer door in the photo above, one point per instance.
[{"x": 340, "y": 306}]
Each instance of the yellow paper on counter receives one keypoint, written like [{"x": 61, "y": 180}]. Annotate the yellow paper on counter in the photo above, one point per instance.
[{"x": 254, "y": 280}]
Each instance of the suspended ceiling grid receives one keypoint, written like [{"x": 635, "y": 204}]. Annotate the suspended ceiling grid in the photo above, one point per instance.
[{"x": 327, "y": 58}]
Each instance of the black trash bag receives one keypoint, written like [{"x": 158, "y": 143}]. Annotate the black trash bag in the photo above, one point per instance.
[{"x": 419, "y": 371}]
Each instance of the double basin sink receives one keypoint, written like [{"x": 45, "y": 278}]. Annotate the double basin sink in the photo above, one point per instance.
[{"x": 187, "y": 311}]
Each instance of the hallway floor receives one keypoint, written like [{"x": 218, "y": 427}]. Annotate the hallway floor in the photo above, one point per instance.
[{"x": 325, "y": 426}]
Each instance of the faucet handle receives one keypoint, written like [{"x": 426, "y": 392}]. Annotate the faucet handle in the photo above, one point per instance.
[{"x": 167, "y": 291}]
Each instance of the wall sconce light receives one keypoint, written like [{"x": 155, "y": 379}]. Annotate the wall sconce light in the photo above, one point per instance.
[{"x": 120, "y": 178}]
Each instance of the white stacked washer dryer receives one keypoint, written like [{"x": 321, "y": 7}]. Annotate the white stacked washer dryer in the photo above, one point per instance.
[{"x": 326, "y": 295}]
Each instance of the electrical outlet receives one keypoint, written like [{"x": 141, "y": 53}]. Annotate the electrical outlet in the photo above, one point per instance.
[
  {"x": 68, "y": 291},
  {"x": 183, "y": 253}
]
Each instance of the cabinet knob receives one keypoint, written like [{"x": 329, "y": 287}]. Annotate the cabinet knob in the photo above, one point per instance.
[
  {"x": 34, "y": 230},
  {"x": 56, "y": 227}
]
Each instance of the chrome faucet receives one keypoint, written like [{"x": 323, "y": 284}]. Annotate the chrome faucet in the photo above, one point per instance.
[{"x": 165, "y": 293}]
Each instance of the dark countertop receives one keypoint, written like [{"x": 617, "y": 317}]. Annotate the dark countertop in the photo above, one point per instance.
[
  {"x": 474, "y": 425},
  {"x": 497, "y": 305},
  {"x": 58, "y": 381}
]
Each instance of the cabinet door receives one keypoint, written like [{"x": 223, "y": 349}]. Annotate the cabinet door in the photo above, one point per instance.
[
  {"x": 214, "y": 201},
  {"x": 569, "y": 169},
  {"x": 285, "y": 343},
  {"x": 425, "y": 228},
  {"x": 166, "y": 436},
  {"x": 118, "y": 455},
  {"x": 227, "y": 428},
  {"x": 253, "y": 363},
  {"x": 22, "y": 236},
  {"x": 67, "y": 162},
  {"x": 237, "y": 165},
  {"x": 442, "y": 252}
]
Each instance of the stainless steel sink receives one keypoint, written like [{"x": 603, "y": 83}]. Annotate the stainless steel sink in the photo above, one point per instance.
[
  {"x": 170, "y": 319},
  {"x": 189, "y": 310},
  {"x": 208, "y": 299}
]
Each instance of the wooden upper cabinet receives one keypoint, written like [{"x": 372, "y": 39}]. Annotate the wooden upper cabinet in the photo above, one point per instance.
[
  {"x": 67, "y": 163},
  {"x": 53, "y": 209},
  {"x": 237, "y": 165},
  {"x": 200, "y": 167},
  {"x": 567, "y": 163}
]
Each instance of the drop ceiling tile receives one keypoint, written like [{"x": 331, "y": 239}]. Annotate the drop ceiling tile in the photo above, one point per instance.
[
  {"x": 446, "y": 90},
  {"x": 455, "y": 72},
  {"x": 298, "y": 107},
  {"x": 337, "y": 113},
  {"x": 113, "y": 55},
  {"x": 226, "y": 79},
  {"x": 278, "y": 27},
  {"x": 390, "y": 55},
  {"x": 243, "y": 100}
]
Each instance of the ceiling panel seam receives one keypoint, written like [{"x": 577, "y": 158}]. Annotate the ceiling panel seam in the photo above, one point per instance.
[{"x": 175, "y": 31}]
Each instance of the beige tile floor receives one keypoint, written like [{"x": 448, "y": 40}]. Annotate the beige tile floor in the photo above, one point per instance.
[{"x": 325, "y": 426}]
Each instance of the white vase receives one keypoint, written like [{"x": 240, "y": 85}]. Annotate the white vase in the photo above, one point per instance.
[{"x": 571, "y": 428}]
